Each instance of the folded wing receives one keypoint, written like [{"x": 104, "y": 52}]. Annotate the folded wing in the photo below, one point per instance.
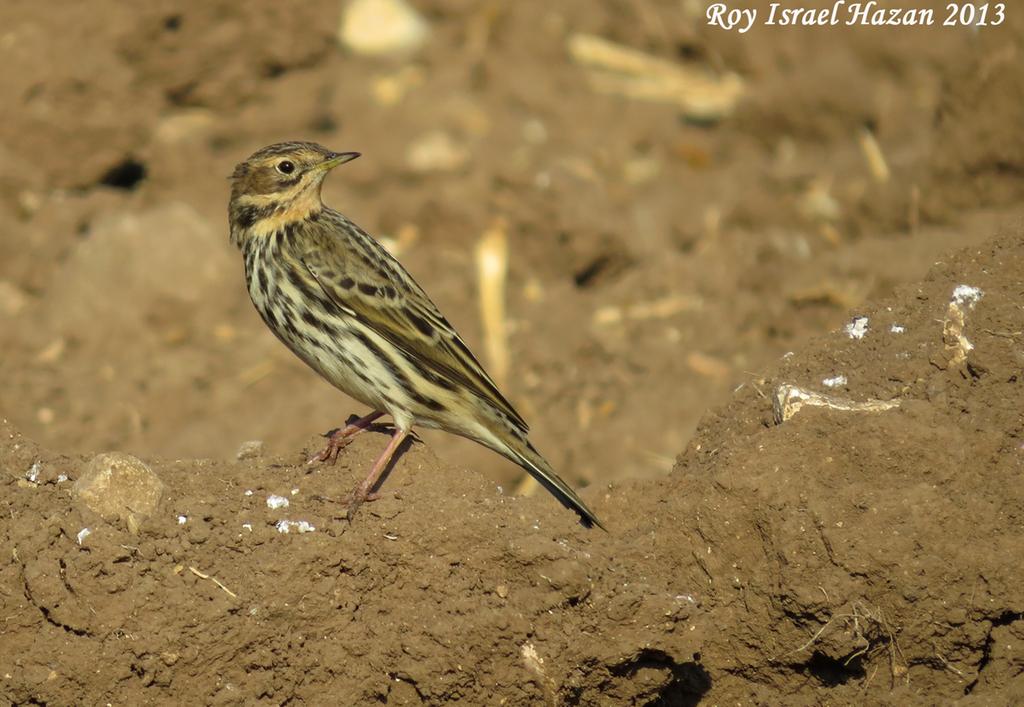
[{"x": 385, "y": 298}]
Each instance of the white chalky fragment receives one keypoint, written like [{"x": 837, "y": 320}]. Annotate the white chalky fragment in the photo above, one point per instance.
[
  {"x": 276, "y": 502},
  {"x": 968, "y": 296},
  {"x": 302, "y": 526},
  {"x": 857, "y": 328}
]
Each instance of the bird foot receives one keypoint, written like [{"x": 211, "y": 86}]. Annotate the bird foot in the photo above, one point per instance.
[
  {"x": 335, "y": 443},
  {"x": 339, "y": 439},
  {"x": 357, "y": 498}
]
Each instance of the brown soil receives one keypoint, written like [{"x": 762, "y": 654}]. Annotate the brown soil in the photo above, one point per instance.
[{"x": 838, "y": 557}]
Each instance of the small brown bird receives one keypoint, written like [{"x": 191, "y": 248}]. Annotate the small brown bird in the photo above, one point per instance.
[{"x": 342, "y": 304}]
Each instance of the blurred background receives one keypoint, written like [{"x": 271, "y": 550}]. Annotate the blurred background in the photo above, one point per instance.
[{"x": 627, "y": 213}]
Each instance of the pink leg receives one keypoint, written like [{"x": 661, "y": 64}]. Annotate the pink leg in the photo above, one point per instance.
[
  {"x": 362, "y": 491},
  {"x": 340, "y": 439}
]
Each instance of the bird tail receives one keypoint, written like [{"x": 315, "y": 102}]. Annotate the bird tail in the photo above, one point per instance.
[{"x": 525, "y": 455}]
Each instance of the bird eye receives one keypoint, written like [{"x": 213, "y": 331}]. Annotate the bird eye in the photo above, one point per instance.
[{"x": 285, "y": 167}]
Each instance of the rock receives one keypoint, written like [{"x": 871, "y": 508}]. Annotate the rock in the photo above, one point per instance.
[
  {"x": 185, "y": 126},
  {"x": 12, "y": 298},
  {"x": 126, "y": 245},
  {"x": 436, "y": 152},
  {"x": 120, "y": 487},
  {"x": 168, "y": 261},
  {"x": 381, "y": 27},
  {"x": 250, "y": 450}
]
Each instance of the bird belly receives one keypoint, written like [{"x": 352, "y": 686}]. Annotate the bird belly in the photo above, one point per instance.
[{"x": 346, "y": 354}]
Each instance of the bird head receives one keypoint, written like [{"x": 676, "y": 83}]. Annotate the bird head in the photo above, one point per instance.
[
  {"x": 286, "y": 169},
  {"x": 280, "y": 183}
]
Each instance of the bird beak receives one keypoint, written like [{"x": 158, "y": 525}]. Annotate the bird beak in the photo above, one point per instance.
[{"x": 335, "y": 159}]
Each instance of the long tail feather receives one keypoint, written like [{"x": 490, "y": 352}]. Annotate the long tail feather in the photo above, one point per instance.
[{"x": 531, "y": 460}]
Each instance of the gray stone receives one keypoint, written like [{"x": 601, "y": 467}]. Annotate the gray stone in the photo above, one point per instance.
[
  {"x": 250, "y": 450},
  {"x": 120, "y": 488}
]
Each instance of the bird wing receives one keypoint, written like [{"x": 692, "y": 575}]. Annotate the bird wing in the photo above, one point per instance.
[{"x": 369, "y": 284}]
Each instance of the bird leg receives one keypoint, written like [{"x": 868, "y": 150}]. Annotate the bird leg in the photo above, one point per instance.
[
  {"x": 340, "y": 438},
  {"x": 362, "y": 491}
]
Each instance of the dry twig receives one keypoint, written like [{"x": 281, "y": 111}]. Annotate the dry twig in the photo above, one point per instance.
[
  {"x": 613, "y": 68},
  {"x": 216, "y": 581}
]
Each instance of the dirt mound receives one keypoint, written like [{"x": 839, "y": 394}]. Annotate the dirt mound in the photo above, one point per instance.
[
  {"x": 247, "y": 584},
  {"x": 837, "y": 556},
  {"x": 875, "y": 548}
]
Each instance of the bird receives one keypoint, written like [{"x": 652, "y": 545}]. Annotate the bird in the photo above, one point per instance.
[{"x": 347, "y": 308}]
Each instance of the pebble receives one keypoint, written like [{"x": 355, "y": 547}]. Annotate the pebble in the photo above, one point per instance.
[
  {"x": 12, "y": 298},
  {"x": 250, "y": 450},
  {"x": 382, "y": 28},
  {"x": 120, "y": 487},
  {"x": 436, "y": 151}
]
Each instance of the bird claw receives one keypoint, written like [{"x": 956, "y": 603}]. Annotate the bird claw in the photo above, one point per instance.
[
  {"x": 340, "y": 438},
  {"x": 357, "y": 499},
  {"x": 330, "y": 453}
]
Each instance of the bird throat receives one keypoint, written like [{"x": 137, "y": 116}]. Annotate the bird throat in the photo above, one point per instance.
[{"x": 275, "y": 213}]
